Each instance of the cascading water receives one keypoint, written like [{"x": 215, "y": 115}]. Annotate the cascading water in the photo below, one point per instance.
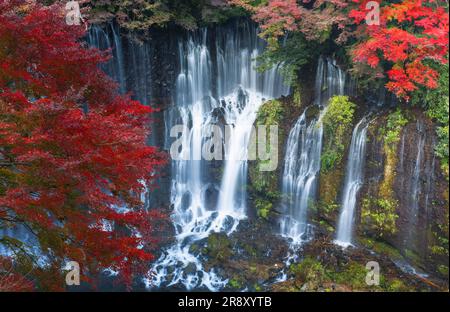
[
  {"x": 238, "y": 94},
  {"x": 353, "y": 181},
  {"x": 416, "y": 201},
  {"x": 303, "y": 151},
  {"x": 133, "y": 73},
  {"x": 415, "y": 183},
  {"x": 98, "y": 37},
  {"x": 302, "y": 164}
]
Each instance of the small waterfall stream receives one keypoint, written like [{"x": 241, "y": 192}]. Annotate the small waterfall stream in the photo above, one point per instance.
[
  {"x": 353, "y": 181},
  {"x": 303, "y": 151},
  {"x": 416, "y": 188},
  {"x": 302, "y": 164}
]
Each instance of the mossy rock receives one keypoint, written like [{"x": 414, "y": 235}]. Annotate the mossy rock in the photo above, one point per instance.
[
  {"x": 264, "y": 185},
  {"x": 236, "y": 282},
  {"x": 308, "y": 271},
  {"x": 219, "y": 247},
  {"x": 337, "y": 122},
  {"x": 381, "y": 248},
  {"x": 379, "y": 216}
]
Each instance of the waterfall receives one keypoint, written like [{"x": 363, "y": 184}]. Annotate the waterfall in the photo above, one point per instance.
[
  {"x": 416, "y": 174},
  {"x": 130, "y": 67},
  {"x": 217, "y": 85},
  {"x": 414, "y": 189},
  {"x": 109, "y": 38},
  {"x": 302, "y": 165},
  {"x": 353, "y": 181},
  {"x": 303, "y": 151}
]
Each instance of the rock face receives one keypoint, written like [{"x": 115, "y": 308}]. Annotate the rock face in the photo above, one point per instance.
[{"x": 405, "y": 188}]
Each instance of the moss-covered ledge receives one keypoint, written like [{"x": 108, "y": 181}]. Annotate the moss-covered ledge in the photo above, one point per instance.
[
  {"x": 338, "y": 122},
  {"x": 264, "y": 185}
]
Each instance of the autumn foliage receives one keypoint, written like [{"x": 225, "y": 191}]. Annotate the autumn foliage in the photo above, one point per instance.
[
  {"x": 411, "y": 37},
  {"x": 411, "y": 32},
  {"x": 73, "y": 158}
]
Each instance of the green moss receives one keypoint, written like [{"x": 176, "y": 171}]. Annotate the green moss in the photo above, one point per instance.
[
  {"x": 443, "y": 269},
  {"x": 219, "y": 247},
  {"x": 263, "y": 207},
  {"x": 270, "y": 113},
  {"x": 297, "y": 96},
  {"x": 257, "y": 287},
  {"x": 378, "y": 215},
  {"x": 337, "y": 122},
  {"x": 397, "y": 285},
  {"x": 308, "y": 270},
  {"x": 236, "y": 282},
  {"x": 354, "y": 275},
  {"x": 436, "y": 103},
  {"x": 251, "y": 251},
  {"x": 413, "y": 256},
  {"x": 325, "y": 214},
  {"x": 381, "y": 248},
  {"x": 263, "y": 185},
  {"x": 349, "y": 276},
  {"x": 391, "y": 136},
  {"x": 379, "y": 210}
]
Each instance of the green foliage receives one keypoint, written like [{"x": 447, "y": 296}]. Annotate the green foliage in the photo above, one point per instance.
[
  {"x": 391, "y": 136},
  {"x": 397, "y": 285},
  {"x": 330, "y": 207},
  {"x": 337, "y": 122},
  {"x": 443, "y": 270},
  {"x": 394, "y": 125},
  {"x": 381, "y": 248},
  {"x": 263, "y": 207},
  {"x": 270, "y": 113},
  {"x": 308, "y": 270},
  {"x": 440, "y": 238},
  {"x": 297, "y": 95},
  {"x": 214, "y": 15},
  {"x": 330, "y": 158},
  {"x": 219, "y": 247},
  {"x": 264, "y": 184},
  {"x": 235, "y": 282},
  {"x": 436, "y": 103},
  {"x": 141, "y": 15},
  {"x": 353, "y": 275},
  {"x": 379, "y": 215},
  {"x": 294, "y": 52}
]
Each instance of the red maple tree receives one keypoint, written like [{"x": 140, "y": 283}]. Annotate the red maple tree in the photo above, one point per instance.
[
  {"x": 411, "y": 35},
  {"x": 73, "y": 153}
]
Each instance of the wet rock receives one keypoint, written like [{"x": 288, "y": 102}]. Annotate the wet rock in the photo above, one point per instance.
[{"x": 191, "y": 268}]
